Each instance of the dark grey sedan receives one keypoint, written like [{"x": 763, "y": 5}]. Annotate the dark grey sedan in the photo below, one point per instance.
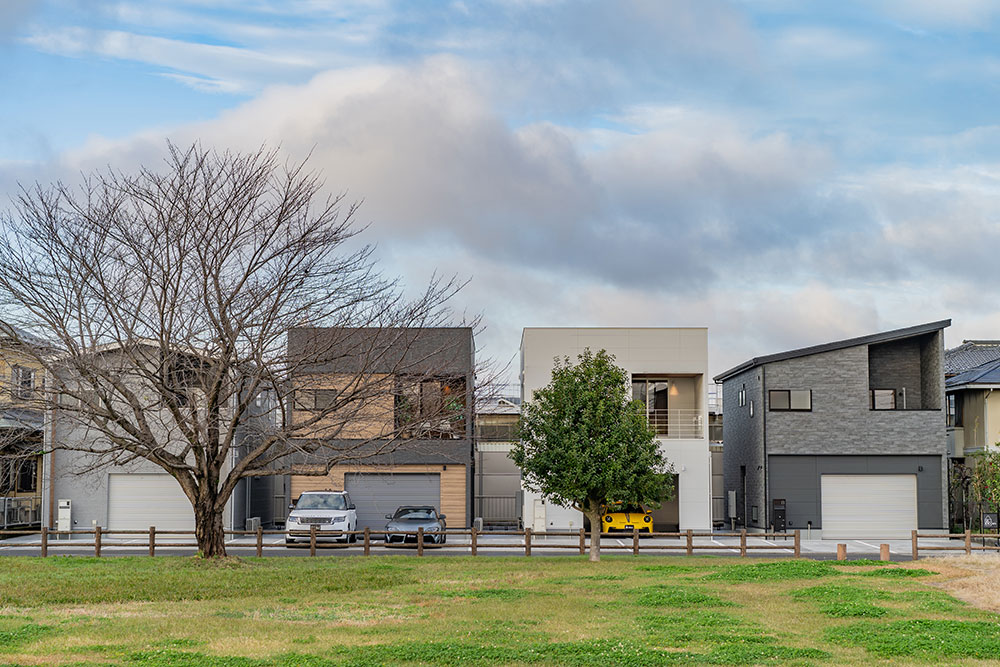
[{"x": 411, "y": 517}]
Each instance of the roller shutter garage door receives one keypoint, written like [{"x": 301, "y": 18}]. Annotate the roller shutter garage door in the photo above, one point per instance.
[
  {"x": 138, "y": 501},
  {"x": 378, "y": 494},
  {"x": 872, "y": 507}
]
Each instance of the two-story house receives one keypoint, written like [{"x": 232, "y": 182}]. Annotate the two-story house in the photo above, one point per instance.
[
  {"x": 21, "y": 421},
  {"x": 847, "y": 438},
  {"x": 668, "y": 368},
  {"x": 972, "y": 372},
  {"x": 410, "y": 442},
  {"x": 498, "y": 479}
]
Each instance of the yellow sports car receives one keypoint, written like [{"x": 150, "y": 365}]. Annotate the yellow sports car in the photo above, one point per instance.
[{"x": 619, "y": 518}]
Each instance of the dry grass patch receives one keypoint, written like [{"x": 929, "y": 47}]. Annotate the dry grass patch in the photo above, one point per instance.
[{"x": 972, "y": 579}]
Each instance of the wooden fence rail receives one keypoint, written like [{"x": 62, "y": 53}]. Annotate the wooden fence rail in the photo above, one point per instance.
[{"x": 364, "y": 540}]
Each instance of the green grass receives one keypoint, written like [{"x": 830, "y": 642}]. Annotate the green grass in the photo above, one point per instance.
[{"x": 475, "y": 611}]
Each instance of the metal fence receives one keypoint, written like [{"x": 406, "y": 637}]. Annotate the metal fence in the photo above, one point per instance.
[{"x": 20, "y": 511}]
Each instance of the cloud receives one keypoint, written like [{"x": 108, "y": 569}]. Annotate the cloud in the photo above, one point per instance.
[
  {"x": 14, "y": 14},
  {"x": 934, "y": 14}
]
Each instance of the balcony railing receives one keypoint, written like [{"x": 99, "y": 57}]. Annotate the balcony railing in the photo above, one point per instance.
[
  {"x": 20, "y": 511},
  {"x": 677, "y": 423}
]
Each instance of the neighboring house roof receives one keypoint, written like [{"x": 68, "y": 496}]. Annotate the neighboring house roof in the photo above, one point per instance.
[
  {"x": 970, "y": 354},
  {"x": 883, "y": 337},
  {"x": 985, "y": 376},
  {"x": 21, "y": 419},
  {"x": 506, "y": 405}
]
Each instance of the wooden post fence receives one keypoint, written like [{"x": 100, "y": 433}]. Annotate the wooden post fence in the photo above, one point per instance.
[
  {"x": 968, "y": 542},
  {"x": 797, "y": 541},
  {"x": 97, "y": 541},
  {"x": 45, "y": 541},
  {"x": 841, "y": 552},
  {"x": 635, "y": 541},
  {"x": 152, "y": 540},
  {"x": 420, "y": 541},
  {"x": 690, "y": 542},
  {"x": 913, "y": 540},
  {"x": 260, "y": 541},
  {"x": 527, "y": 541},
  {"x": 474, "y": 546},
  {"x": 368, "y": 541},
  {"x": 312, "y": 539},
  {"x": 583, "y": 541},
  {"x": 743, "y": 542},
  {"x": 883, "y": 552}
]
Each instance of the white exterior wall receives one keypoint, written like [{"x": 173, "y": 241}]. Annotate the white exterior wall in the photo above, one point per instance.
[{"x": 666, "y": 351}]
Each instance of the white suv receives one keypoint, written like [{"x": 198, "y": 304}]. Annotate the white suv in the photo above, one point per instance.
[{"x": 332, "y": 512}]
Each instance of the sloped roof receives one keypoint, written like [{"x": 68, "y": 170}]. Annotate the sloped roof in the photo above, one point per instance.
[
  {"x": 506, "y": 405},
  {"x": 970, "y": 354},
  {"x": 883, "y": 337},
  {"x": 982, "y": 375}
]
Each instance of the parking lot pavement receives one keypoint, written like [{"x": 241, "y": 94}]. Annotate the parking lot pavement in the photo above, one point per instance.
[{"x": 488, "y": 545}]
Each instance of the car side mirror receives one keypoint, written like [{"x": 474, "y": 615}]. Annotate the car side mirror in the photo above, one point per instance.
[
  {"x": 351, "y": 507},
  {"x": 388, "y": 516},
  {"x": 442, "y": 516}
]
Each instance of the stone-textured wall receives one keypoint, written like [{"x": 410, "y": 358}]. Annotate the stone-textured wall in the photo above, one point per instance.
[
  {"x": 841, "y": 421},
  {"x": 743, "y": 444},
  {"x": 896, "y": 365},
  {"x": 932, "y": 377}
]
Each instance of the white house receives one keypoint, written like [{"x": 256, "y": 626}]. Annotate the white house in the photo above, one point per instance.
[{"x": 668, "y": 368}]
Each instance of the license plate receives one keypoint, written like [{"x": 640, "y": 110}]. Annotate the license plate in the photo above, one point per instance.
[{"x": 628, "y": 527}]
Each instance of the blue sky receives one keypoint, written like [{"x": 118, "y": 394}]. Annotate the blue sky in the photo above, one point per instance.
[{"x": 784, "y": 172}]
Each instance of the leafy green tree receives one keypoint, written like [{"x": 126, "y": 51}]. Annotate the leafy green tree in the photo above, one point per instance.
[
  {"x": 986, "y": 479},
  {"x": 584, "y": 444}
]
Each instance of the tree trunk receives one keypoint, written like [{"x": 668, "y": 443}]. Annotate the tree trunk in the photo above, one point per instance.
[
  {"x": 594, "y": 514},
  {"x": 209, "y": 532}
]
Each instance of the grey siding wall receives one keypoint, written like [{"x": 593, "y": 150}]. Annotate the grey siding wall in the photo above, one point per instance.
[
  {"x": 896, "y": 365},
  {"x": 797, "y": 480},
  {"x": 932, "y": 360},
  {"x": 743, "y": 444},
  {"x": 841, "y": 422}
]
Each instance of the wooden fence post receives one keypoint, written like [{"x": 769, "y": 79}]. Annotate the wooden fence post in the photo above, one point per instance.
[
  {"x": 45, "y": 541},
  {"x": 968, "y": 542},
  {"x": 420, "y": 541},
  {"x": 527, "y": 541},
  {"x": 635, "y": 541},
  {"x": 743, "y": 542},
  {"x": 260, "y": 542},
  {"x": 368, "y": 541},
  {"x": 583, "y": 541},
  {"x": 797, "y": 541},
  {"x": 312, "y": 539},
  {"x": 152, "y": 540},
  {"x": 690, "y": 542},
  {"x": 883, "y": 552},
  {"x": 97, "y": 541},
  {"x": 475, "y": 545},
  {"x": 841, "y": 552},
  {"x": 913, "y": 540}
]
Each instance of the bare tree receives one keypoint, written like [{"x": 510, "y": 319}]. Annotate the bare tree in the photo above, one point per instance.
[{"x": 165, "y": 298}]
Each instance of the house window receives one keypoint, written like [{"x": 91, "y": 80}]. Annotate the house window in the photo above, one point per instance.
[
  {"x": 782, "y": 400},
  {"x": 743, "y": 395},
  {"x": 324, "y": 399},
  {"x": 883, "y": 399},
  {"x": 22, "y": 382},
  {"x": 751, "y": 408},
  {"x": 954, "y": 411},
  {"x": 27, "y": 475}
]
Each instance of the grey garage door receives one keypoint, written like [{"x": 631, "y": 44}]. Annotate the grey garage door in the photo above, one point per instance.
[
  {"x": 137, "y": 501},
  {"x": 378, "y": 494}
]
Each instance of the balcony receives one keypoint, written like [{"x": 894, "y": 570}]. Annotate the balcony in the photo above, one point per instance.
[
  {"x": 679, "y": 424},
  {"x": 20, "y": 511}
]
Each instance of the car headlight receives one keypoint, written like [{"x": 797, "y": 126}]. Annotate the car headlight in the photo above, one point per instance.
[
  {"x": 292, "y": 519},
  {"x": 646, "y": 518},
  {"x": 339, "y": 519},
  {"x": 608, "y": 519}
]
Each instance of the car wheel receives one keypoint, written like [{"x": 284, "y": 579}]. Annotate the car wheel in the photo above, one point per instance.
[
  {"x": 289, "y": 542},
  {"x": 352, "y": 538}
]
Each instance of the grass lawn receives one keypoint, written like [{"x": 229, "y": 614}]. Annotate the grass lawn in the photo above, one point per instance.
[{"x": 458, "y": 610}]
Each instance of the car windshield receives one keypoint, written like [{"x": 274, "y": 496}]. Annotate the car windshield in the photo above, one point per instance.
[
  {"x": 414, "y": 514},
  {"x": 321, "y": 501}
]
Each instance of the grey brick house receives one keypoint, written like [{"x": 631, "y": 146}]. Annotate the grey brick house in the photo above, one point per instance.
[{"x": 846, "y": 437}]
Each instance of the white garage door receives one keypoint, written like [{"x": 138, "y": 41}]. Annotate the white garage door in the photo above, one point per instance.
[
  {"x": 872, "y": 507},
  {"x": 138, "y": 501},
  {"x": 376, "y": 495}
]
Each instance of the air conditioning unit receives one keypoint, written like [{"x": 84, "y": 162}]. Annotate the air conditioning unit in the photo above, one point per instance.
[{"x": 253, "y": 523}]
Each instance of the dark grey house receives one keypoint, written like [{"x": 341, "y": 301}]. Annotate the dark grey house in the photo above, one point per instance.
[
  {"x": 846, "y": 437},
  {"x": 411, "y": 441}
]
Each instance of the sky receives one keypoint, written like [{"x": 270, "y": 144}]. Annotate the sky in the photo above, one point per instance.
[{"x": 784, "y": 172}]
